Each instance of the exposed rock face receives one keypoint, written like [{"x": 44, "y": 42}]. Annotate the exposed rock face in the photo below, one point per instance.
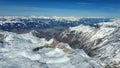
[
  {"x": 2, "y": 37},
  {"x": 79, "y": 37},
  {"x": 55, "y": 44}
]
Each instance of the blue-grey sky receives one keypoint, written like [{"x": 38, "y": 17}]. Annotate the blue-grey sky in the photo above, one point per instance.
[{"x": 81, "y": 8}]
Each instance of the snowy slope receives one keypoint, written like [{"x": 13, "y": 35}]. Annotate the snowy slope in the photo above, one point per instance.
[
  {"x": 108, "y": 51},
  {"x": 16, "y": 51},
  {"x": 101, "y": 43}
]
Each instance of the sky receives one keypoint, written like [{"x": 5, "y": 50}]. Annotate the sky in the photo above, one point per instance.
[{"x": 80, "y": 8}]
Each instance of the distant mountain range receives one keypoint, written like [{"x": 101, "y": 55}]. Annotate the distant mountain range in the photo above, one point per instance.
[{"x": 17, "y": 23}]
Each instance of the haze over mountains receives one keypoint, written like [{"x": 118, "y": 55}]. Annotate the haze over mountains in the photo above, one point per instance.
[{"x": 59, "y": 42}]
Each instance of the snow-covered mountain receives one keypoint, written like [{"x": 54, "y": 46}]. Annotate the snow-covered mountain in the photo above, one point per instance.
[
  {"x": 59, "y": 42},
  {"x": 101, "y": 43},
  {"x": 19, "y": 51},
  {"x": 21, "y": 23}
]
